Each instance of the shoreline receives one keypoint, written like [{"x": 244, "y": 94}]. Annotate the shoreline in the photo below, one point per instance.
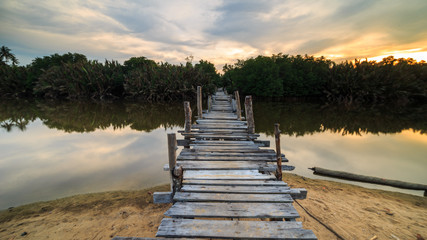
[{"x": 352, "y": 211}]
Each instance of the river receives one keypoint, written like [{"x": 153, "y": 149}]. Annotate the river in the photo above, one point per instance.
[{"x": 50, "y": 150}]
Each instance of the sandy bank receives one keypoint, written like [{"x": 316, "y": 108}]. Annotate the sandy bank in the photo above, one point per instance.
[{"x": 351, "y": 211}]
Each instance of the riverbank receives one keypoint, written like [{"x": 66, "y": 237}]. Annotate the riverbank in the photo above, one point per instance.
[{"x": 351, "y": 211}]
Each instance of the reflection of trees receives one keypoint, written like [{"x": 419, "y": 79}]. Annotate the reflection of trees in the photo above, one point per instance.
[
  {"x": 90, "y": 116},
  {"x": 295, "y": 118},
  {"x": 298, "y": 118}
]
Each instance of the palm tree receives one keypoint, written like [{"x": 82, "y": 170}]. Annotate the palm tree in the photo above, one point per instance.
[{"x": 6, "y": 55}]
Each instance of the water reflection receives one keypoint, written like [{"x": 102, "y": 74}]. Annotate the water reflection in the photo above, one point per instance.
[
  {"x": 50, "y": 150},
  {"x": 42, "y": 163},
  {"x": 295, "y": 118},
  {"x": 300, "y": 119},
  {"x": 89, "y": 116}
]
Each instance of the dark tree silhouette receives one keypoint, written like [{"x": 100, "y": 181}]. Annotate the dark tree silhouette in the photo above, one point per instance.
[{"x": 6, "y": 56}]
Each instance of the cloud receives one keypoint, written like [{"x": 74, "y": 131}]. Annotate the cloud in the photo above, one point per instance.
[{"x": 219, "y": 31}]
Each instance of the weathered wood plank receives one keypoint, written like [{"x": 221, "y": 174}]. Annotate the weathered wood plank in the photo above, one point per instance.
[
  {"x": 162, "y": 197},
  {"x": 223, "y": 117},
  {"x": 225, "y": 158},
  {"x": 232, "y": 210},
  {"x": 236, "y": 189},
  {"x": 229, "y": 135},
  {"x": 235, "y": 182},
  {"x": 231, "y": 197},
  {"x": 229, "y": 122},
  {"x": 223, "y": 148},
  {"x": 227, "y": 175},
  {"x": 217, "y": 131},
  {"x": 223, "y": 165},
  {"x": 218, "y": 126},
  {"x": 171, "y": 227},
  {"x": 260, "y": 152},
  {"x": 207, "y": 142},
  {"x": 143, "y": 238}
]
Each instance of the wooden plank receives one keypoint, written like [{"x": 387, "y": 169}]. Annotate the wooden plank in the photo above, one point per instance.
[
  {"x": 143, "y": 238},
  {"x": 187, "y": 142},
  {"x": 225, "y": 165},
  {"x": 231, "y": 197},
  {"x": 232, "y": 210},
  {"x": 299, "y": 193},
  {"x": 236, "y": 189},
  {"x": 217, "y": 131},
  {"x": 225, "y": 134},
  {"x": 208, "y": 116},
  {"x": 219, "y": 150},
  {"x": 207, "y": 142},
  {"x": 225, "y": 158},
  {"x": 218, "y": 126},
  {"x": 235, "y": 182},
  {"x": 162, "y": 197},
  {"x": 260, "y": 152},
  {"x": 172, "y": 227},
  {"x": 257, "y": 153},
  {"x": 227, "y": 175},
  {"x": 223, "y": 148},
  {"x": 231, "y": 151},
  {"x": 237, "y": 122}
]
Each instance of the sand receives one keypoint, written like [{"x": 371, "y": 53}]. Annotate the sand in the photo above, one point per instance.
[{"x": 352, "y": 212}]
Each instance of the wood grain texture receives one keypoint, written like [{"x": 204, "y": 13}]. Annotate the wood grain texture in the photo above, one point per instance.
[
  {"x": 236, "y": 189},
  {"x": 227, "y": 175},
  {"x": 170, "y": 227},
  {"x": 232, "y": 210},
  {"x": 235, "y": 182},
  {"x": 226, "y": 165},
  {"x": 231, "y": 197}
]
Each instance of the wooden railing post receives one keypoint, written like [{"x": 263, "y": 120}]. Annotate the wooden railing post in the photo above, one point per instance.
[
  {"x": 199, "y": 102},
  {"x": 249, "y": 114},
  {"x": 238, "y": 108},
  {"x": 278, "y": 151},
  {"x": 187, "y": 125},
  {"x": 210, "y": 103},
  {"x": 175, "y": 173}
]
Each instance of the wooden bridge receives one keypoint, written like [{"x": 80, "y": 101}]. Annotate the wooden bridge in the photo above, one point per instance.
[{"x": 224, "y": 184}]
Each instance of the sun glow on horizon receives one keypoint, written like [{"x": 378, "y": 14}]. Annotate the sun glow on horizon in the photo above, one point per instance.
[{"x": 415, "y": 54}]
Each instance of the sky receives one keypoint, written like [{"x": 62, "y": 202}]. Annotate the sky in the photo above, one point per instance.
[{"x": 214, "y": 30}]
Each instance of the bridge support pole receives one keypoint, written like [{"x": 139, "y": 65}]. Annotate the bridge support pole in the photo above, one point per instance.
[
  {"x": 175, "y": 172},
  {"x": 199, "y": 102},
  {"x": 187, "y": 125},
  {"x": 249, "y": 114},
  {"x": 210, "y": 103},
  {"x": 278, "y": 151},
  {"x": 238, "y": 108}
]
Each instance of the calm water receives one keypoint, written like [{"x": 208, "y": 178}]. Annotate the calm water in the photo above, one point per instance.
[{"x": 51, "y": 150}]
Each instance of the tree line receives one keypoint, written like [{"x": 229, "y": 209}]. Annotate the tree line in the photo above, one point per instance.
[
  {"x": 399, "y": 80},
  {"x": 73, "y": 76}
]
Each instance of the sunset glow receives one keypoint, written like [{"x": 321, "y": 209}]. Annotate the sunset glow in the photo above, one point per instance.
[{"x": 217, "y": 31}]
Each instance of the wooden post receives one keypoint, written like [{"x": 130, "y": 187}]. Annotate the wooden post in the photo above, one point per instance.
[
  {"x": 187, "y": 109},
  {"x": 172, "y": 158},
  {"x": 210, "y": 103},
  {"x": 187, "y": 125},
  {"x": 238, "y": 108},
  {"x": 199, "y": 101},
  {"x": 249, "y": 114},
  {"x": 278, "y": 151}
]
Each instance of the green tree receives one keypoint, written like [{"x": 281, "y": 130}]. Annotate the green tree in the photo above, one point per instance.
[{"x": 6, "y": 56}]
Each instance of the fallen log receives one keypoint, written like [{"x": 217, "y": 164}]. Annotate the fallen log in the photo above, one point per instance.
[{"x": 369, "y": 179}]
